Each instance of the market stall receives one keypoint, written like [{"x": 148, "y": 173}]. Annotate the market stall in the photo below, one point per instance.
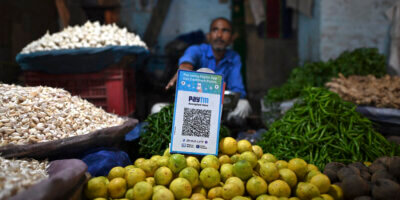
[{"x": 67, "y": 130}]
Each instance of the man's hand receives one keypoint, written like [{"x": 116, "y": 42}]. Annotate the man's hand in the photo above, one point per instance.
[{"x": 183, "y": 66}]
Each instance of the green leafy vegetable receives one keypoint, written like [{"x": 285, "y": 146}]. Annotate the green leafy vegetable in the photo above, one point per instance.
[{"x": 362, "y": 61}]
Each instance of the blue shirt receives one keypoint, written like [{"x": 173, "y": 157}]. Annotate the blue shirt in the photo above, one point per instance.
[{"x": 201, "y": 56}]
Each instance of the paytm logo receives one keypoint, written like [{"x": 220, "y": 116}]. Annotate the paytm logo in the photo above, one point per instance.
[{"x": 198, "y": 99}]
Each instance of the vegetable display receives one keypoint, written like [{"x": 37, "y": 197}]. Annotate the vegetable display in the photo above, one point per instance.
[
  {"x": 322, "y": 128},
  {"x": 241, "y": 171},
  {"x": 18, "y": 175},
  {"x": 31, "y": 115},
  {"x": 368, "y": 90},
  {"x": 157, "y": 134},
  {"x": 361, "y": 61},
  {"x": 88, "y": 35}
]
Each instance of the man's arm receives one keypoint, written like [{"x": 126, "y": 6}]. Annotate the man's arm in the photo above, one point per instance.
[
  {"x": 234, "y": 80},
  {"x": 183, "y": 66},
  {"x": 186, "y": 62}
]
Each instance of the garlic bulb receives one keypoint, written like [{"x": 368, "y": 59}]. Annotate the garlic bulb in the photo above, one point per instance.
[
  {"x": 39, "y": 114},
  {"x": 18, "y": 175},
  {"x": 88, "y": 35}
]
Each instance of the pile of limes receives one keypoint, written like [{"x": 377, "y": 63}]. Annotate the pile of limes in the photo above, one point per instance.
[{"x": 241, "y": 171}]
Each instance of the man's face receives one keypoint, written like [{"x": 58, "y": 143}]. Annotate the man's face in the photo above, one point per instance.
[{"x": 220, "y": 36}]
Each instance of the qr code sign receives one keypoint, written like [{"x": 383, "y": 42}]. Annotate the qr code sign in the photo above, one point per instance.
[{"x": 196, "y": 122}]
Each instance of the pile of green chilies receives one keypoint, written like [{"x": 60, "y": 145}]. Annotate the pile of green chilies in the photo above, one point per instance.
[
  {"x": 323, "y": 128},
  {"x": 157, "y": 134}
]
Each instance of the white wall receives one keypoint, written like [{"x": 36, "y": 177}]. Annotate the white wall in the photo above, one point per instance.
[
  {"x": 343, "y": 25},
  {"x": 183, "y": 16},
  {"x": 350, "y": 24}
]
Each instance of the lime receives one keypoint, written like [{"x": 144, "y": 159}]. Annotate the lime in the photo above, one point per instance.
[
  {"x": 116, "y": 172},
  {"x": 279, "y": 188},
  {"x": 210, "y": 161},
  {"x": 139, "y": 161},
  {"x": 190, "y": 174},
  {"x": 288, "y": 176},
  {"x": 215, "y": 192},
  {"x": 142, "y": 191},
  {"x": 307, "y": 191},
  {"x": 129, "y": 194},
  {"x": 244, "y": 145},
  {"x": 128, "y": 167},
  {"x": 322, "y": 182},
  {"x": 226, "y": 171},
  {"x": 181, "y": 188},
  {"x": 209, "y": 177},
  {"x": 237, "y": 181},
  {"x": 155, "y": 158},
  {"x": 163, "y": 176},
  {"x": 228, "y": 145},
  {"x": 312, "y": 167},
  {"x": 298, "y": 166},
  {"x": 197, "y": 196},
  {"x": 149, "y": 167},
  {"x": 151, "y": 180},
  {"x": 158, "y": 187},
  {"x": 163, "y": 194},
  {"x": 134, "y": 175},
  {"x": 327, "y": 197},
  {"x": 235, "y": 158},
  {"x": 200, "y": 189},
  {"x": 335, "y": 191},
  {"x": 269, "y": 157},
  {"x": 311, "y": 174},
  {"x": 257, "y": 150},
  {"x": 230, "y": 190},
  {"x": 96, "y": 187},
  {"x": 256, "y": 186},
  {"x": 249, "y": 156},
  {"x": 242, "y": 169},
  {"x": 281, "y": 164},
  {"x": 193, "y": 162},
  {"x": 176, "y": 163},
  {"x": 166, "y": 152},
  {"x": 117, "y": 187},
  {"x": 224, "y": 159},
  {"x": 162, "y": 161},
  {"x": 269, "y": 172}
]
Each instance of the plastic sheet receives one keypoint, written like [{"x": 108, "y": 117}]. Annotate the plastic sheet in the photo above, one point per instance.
[
  {"x": 386, "y": 119},
  {"x": 101, "y": 161},
  {"x": 83, "y": 60}
]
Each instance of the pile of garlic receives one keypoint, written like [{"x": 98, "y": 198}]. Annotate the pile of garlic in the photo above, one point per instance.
[
  {"x": 88, "y": 35},
  {"x": 18, "y": 175},
  {"x": 39, "y": 114}
]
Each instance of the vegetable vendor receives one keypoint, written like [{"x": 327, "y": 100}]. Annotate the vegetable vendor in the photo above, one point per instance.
[{"x": 217, "y": 57}]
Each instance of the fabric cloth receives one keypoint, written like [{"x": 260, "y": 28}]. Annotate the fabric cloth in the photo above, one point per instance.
[
  {"x": 257, "y": 9},
  {"x": 303, "y": 6},
  {"x": 101, "y": 161},
  {"x": 393, "y": 14},
  {"x": 201, "y": 56}
]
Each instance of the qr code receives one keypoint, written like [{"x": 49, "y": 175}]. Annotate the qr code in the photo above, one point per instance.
[{"x": 196, "y": 122}]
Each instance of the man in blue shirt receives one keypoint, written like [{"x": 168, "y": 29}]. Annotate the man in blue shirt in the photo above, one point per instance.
[
  {"x": 221, "y": 60},
  {"x": 215, "y": 56}
]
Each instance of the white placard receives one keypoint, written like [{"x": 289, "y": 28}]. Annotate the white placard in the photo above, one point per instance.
[{"x": 197, "y": 113}]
